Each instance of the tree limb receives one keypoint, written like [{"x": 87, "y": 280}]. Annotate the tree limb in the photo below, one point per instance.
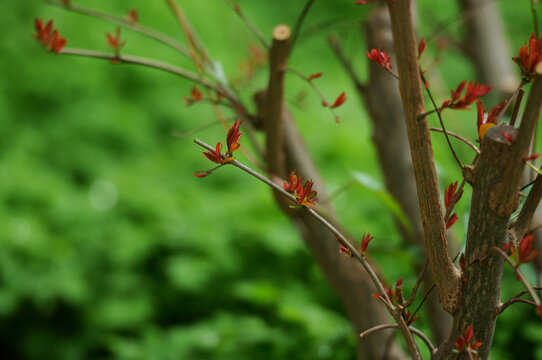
[{"x": 445, "y": 273}]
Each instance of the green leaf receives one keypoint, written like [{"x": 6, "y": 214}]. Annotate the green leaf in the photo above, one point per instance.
[{"x": 375, "y": 187}]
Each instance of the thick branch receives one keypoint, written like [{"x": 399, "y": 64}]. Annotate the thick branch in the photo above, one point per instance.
[
  {"x": 151, "y": 33},
  {"x": 445, "y": 274},
  {"x": 505, "y": 197},
  {"x": 487, "y": 229},
  {"x": 136, "y": 60}
]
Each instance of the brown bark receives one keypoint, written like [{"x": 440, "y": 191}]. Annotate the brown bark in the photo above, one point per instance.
[
  {"x": 495, "y": 197},
  {"x": 347, "y": 277},
  {"x": 487, "y": 228},
  {"x": 445, "y": 274},
  {"x": 486, "y": 45},
  {"x": 382, "y": 99}
]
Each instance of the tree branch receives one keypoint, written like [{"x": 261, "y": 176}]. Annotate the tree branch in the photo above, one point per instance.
[
  {"x": 136, "y": 60},
  {"x": 518, "y": 298},
  {"x": 153, "y": 34},
  {"x": 251, "y": 26},
  {"x": 415, "y": 331},
  {"x": 395, "y": 312},
  {"x": 519, "y": 276},
  {"x": 459, "y": 137},
  {"x": 299, "y": 22},
  {"x": 445, "y": 273}
]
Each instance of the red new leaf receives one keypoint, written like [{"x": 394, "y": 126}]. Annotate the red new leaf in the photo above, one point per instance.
[
  {"x": 365, "y": 242},
  {"x": 473, "y": 91},
  {"x": 315, "y": 76},
  {"x": 49, "y": 38},
  {"x": 114, "y": 41},
  {"x": 380, "y": 57},
  {"x": 302, "y": 191},
  {"x": 529, "y": 57},
  {"x": 451, "y": 221},
  {"x": 133, "y": 16},
  {"x": 339, "y": 101},
  {"x": 233, "y": 136},
  {"x": 421, "y": 47}
]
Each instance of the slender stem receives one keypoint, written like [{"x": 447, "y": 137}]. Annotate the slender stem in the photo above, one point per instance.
[
  {"x": 505, "y": 201},
  {"x": 427, "y": 293},
  {"x": 337, "y": 48},
  {"x": 136, "y": 60},
  {"x": 299, "y": 22},
  {"x": 394, "y": 311},
  {"x": 316, "y": 90},
  {"x": 459, "y": 137},
  {"x": 519, "y": 228},
  {"x": 440, "y": 119},
  {"x": 417, "y": 285},
  {"x": 517, "y": 105},
  {"x": 251, "y": 26},
  {"x": 535, "y": 17},
  {"x": 509, "y": 102},
  {"x": 519, "y": 275},
  {"x": 153, "y": 34},
  {"x": 415, "y": 331},
  {"x": 195, "y": 53},
  {"x": 513, "y": 301}
]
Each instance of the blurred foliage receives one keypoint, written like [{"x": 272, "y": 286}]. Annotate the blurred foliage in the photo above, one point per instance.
[{"x": 110, "y": 248}]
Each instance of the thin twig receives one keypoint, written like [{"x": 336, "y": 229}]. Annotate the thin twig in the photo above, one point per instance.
[
  {"x": 535, "y": 17},
  {"x": 415, "y": 331},
  {"x": 136, "y": 60},
  {"x": 355, "y": 253},
  {"x": 299, "y": 22},
  {"x": 518, "y": 298},
  {"x": 251, "y": 26},
  {"x": 394, "y": 311},
  {"x": 509, "y": 102},
  {"x": 459, "y": 137},
  {"x": 417, "y": 285},
  {"x": 427, "y": 293},
  {"x": 153, "y": 34},
  {"x": 519, "y": 275},
  {"x": 424, "y": 81},
  {"x": 196, "y": 52},
  {"x": 523, "y": 292},
  {"x": 516, "y": 107},
  {"x": 337, "y": 49},
  {"x": 316, "y": 90}
]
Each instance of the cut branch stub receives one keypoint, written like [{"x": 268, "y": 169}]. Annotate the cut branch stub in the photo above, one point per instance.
[{"x": 278, "y": 60}]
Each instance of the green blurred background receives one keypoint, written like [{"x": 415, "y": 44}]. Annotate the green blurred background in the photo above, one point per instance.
[{"x": 111, "y": 249}]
